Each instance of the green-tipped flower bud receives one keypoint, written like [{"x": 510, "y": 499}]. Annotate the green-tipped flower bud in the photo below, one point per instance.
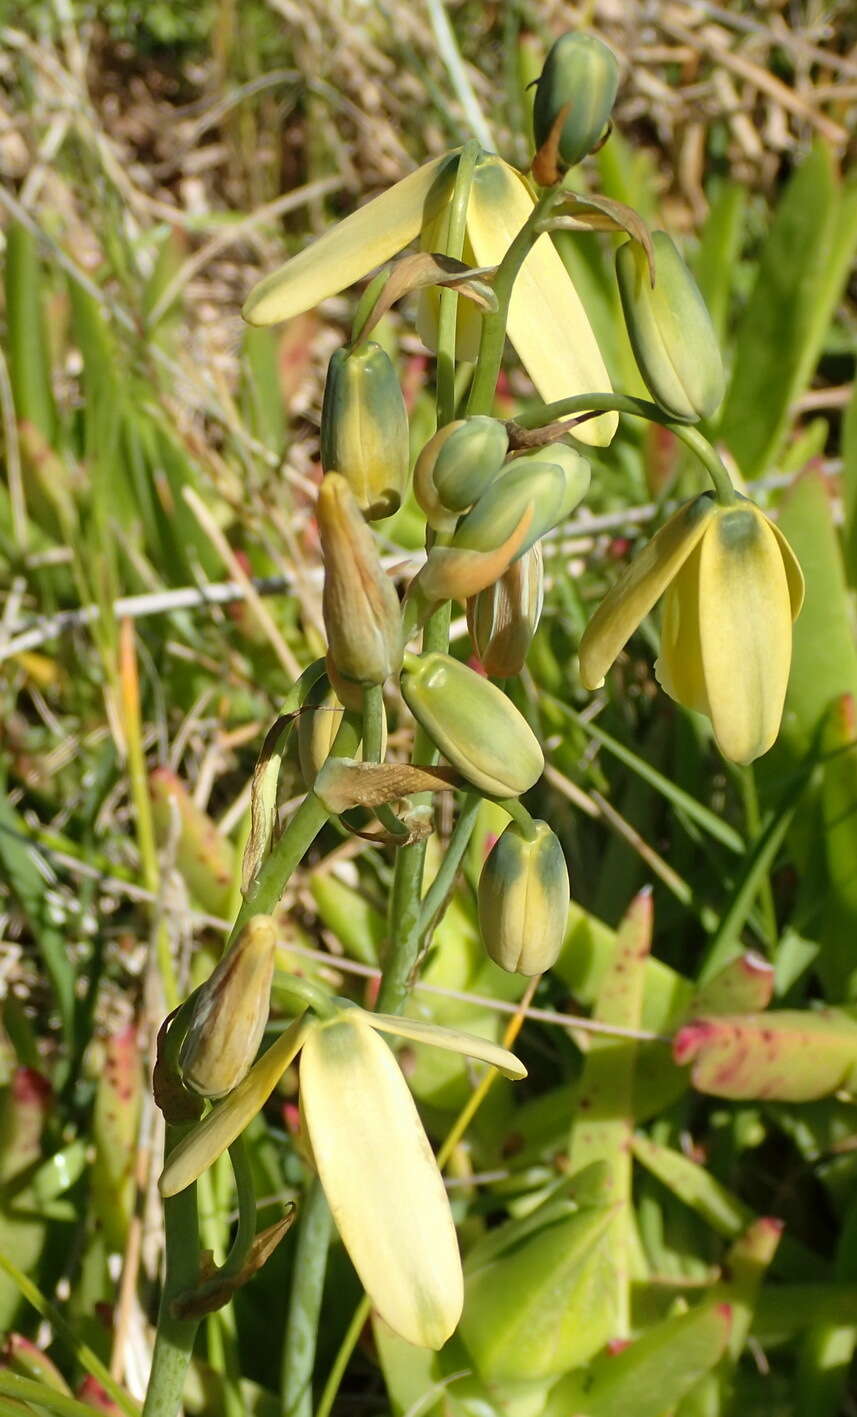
[
  {"x": 523, "y": 900},
  {"x": 364, "y": 428},
  {"x": 670, "y": 330},
  {"x": 582, "y": 73},
  {"x": 473, "y": 724},
  {"x": 455, "y": 467},
  {"x": 230, "y": 1013},
  {"x": 359, "y": 602},
  {"x": 552, "y": 484},
  {"x": 503, "y": 619}
]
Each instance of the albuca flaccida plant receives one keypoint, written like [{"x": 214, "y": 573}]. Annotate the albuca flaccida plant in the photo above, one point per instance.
[{"x": 540, "y": 1309}]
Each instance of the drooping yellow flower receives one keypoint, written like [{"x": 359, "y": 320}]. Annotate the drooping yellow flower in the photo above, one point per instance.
[
  {"x": 733, "y": 588},
  {"x": 547, "y": 323},
  {"x": 375, "y": 1162}
]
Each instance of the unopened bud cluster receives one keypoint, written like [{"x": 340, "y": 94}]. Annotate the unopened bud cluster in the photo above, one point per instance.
[{"x": 490, "y": 492}]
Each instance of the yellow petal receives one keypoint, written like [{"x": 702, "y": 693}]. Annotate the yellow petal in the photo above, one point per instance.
[
  {"x": 745, "y": 630},
  {"x": 381, "y": 1179},
  {"x": 547, "y": 322},
  {"x": 794, "y": 574},
  {"x": 639, "y": 587},
  {"x": 210, "y": 1137},
  {"x": 450, "y": 1039},
  {"x": 355, "y": 246},
  {"x": 678, "y": 668}
]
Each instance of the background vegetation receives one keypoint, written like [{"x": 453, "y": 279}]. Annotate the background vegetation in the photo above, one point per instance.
[{"x": 162, "y": 590}]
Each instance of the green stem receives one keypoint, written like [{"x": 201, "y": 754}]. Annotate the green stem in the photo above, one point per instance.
[
  {"x": 246, "y": 1229},
  {"x": 640, "y": 408},
  {"x": 267, "y": 889},
  {"x": 340, "y": 1362},
  {"x": 310, "y": 1266},
  {"x": 438, "y": 893},
  {"x": 446, "y": 324},
  {"x": 518, "y": 812},
  {"x": 306, "y": 994},
  {"x": 493, "y": 338},
  {"x": 373, "y": 722},
  {"x": 175, "y": 1337},
  {"x": 373, "y": 738},
  {"x": 410, "y": 861},
  {"x": 753, "y": 818}
]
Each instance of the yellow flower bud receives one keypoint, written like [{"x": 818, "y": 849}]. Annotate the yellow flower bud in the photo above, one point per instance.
[
  {"x": 580, "y": 73},
  {"x": 230, "y": 1013},
  {"x": 523, "y": 899},
  {"x": 475, "y": 726},
  {"x": 503, "y": 619},
  {"x": 733, "y": 587},
  {"x": 359, "y": 602},
  {"x": 670, "y": 330},
  {"x": 364, "y": 428}
]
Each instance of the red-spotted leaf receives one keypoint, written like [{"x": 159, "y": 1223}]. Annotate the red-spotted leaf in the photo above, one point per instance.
[
  {"x": 745, "y": 985},
  {"x": 787, "y": 1055}
]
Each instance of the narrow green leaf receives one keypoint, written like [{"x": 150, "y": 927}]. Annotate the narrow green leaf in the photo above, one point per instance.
[
  {"x": 824, "y": 663},
  {"x": 683, "y": 801},
  {"x": 719, "y": 251},
  {"x": 725, "y": 1212},
  {"x": 18, "y": 859},
  {"x": 29, "y": 363},
  {"x": 725, "y": 944},
  {"x": 803, "y": 266},
  {"x": 849, "y": 486},
  {"x": 836, "y": 926}
]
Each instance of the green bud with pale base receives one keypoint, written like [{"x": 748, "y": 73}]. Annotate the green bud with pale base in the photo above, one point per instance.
[
  {"x": 523, "y": 899},
  {"x": 455, "y": 467},
  {"x": 670, "y": 330},
  {"x": 552, "y": 483},
  {"x": 475, "y": 726},
  {"x": 582, "y": 75},
  {"x": 364, "y": 428}
]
